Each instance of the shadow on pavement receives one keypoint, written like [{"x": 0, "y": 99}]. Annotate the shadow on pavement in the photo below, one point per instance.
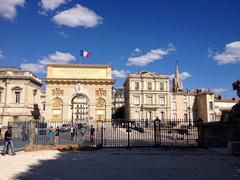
[{"x": 138, "y": 164}]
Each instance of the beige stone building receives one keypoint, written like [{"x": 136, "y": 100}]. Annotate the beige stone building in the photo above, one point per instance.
[
  {"x": 78, "y": 93},
  {"x": 19, "y": 90},
  {"x": 147, "y": 96},
  {"x": 117, "y": 99},
  {"x": 222, "y": 105}
]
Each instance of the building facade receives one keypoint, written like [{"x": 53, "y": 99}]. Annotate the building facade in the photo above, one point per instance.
[
  {"x": 117, "y": 99},
  {"x": 78, "y": 93},
  {"x": 19, "y": 91},
  {"x": 147, "y": 96}
]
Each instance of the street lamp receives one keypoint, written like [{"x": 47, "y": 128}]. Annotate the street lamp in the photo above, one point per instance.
[{"x": 189, "y": 120}]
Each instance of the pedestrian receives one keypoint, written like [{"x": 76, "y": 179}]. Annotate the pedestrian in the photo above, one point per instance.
[
  {"x": 57, "y": 133},
  {"x": 23, "y": 133},
  {"x": 72, "y": 133},
  {"x": 36, "y": 135},
  {"x": 50, "y": 135},
  {"x": 1, "y": 131},
  {"x": 82, "y": 130},
  {"x": 8, "y": 141},
  {"x": 92, "y": 130}
]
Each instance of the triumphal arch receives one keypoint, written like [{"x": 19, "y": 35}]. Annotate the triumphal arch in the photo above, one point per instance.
[{"x": 78, "y": 93}]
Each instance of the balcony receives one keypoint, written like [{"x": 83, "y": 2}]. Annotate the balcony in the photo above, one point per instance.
[{"x": 150, "y": 105}]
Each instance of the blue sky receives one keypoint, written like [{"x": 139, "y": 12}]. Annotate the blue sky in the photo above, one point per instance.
[{"x": 203, "y": 36}]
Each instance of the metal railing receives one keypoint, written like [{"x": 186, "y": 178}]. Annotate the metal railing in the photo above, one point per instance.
[{"x": 114, "y": 133}]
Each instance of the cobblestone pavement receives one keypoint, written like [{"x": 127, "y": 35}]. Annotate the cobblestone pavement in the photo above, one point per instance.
[{"x": 127, "y": 164}]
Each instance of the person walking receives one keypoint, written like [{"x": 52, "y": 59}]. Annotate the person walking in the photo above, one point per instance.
[
  {"x": 72, "y": 133},
  {"x": 8, "y": 141},
  {"x": 92, "y": 130},
  {"x": 36, "y": 135},
  {"x": 50, "y": 135},
  {"x": 23, "y": 133},
  {"x": 57, "y": 133}
]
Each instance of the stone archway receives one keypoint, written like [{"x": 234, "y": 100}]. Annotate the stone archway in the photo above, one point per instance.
[{"x": 80, "y": 109}]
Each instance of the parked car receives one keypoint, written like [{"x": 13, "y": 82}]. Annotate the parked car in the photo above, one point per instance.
[{"x": 65, "y": 127}]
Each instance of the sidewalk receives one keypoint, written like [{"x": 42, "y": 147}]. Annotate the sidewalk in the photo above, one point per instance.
[{"x": 119, "y": 164}]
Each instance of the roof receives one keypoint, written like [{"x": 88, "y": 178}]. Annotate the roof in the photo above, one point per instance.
[{"x": 80, "y": 65}]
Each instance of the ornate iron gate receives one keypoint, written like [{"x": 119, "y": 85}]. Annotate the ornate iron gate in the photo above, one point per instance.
[{"x": 145, "y": 133}]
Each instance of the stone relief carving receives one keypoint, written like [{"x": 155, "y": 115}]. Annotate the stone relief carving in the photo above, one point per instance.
[
  {"x": 100, "y": 102},
  {"x": 57, "y": 102},
  {"x": 57, "y": 92},
  {"x": 101, "y": 92}
]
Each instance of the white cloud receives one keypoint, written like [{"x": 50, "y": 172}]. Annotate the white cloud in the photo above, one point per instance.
[
  {"x": 78, "y": 16},
  {"x": 183, "y": 75},
  {"x": 1, "y": 55},
  {"x": 63, "y": 34},
  {"x": 136, "y": 52},
  {"x": 57, "y": 58},
  {"x": 54, "y": 58},
  {"x": 230, "y": 55},
  {"x": 35, "y": 68},
  {"x": 151, "y": 56},
  {"x": 50, "y": 5},
  {"x": 120, "y": 73},
  {"x": 8, "y": 8}
]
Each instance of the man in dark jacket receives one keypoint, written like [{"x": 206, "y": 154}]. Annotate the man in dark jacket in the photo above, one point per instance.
[{"x": 8, "y": 141}]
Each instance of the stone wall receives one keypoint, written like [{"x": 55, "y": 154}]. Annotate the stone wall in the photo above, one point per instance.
[{"x": 218, "y": 134}]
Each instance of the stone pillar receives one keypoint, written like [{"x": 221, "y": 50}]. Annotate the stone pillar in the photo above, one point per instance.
[{"x": 32, "y": 125}]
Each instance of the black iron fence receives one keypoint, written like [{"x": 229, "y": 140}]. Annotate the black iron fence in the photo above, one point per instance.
[
  {"x": 51, "y": 133},
  {"x": 148, "y": 133},
  {"x": 115, "y": 133},
  {"x": 20, "y": 132}
]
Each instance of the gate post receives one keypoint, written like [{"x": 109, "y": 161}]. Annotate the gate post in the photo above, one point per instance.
[
  {"x": 156, "y": 124},
  {"x": 128, "y": 131},
  {"x": 200, "y": 133}
]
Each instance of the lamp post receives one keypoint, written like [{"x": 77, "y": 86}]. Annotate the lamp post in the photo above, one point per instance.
[{"x": 189, "y": 119}]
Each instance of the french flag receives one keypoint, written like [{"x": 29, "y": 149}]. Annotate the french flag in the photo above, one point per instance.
[{"x": 84, "y": 53}]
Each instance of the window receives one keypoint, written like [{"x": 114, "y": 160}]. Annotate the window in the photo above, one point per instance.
[
  {"x": 211, "y": 105},
  {"x": 161, "y": 86},
  {"x": 175, "y": 116},
  {"x": 149, "y": 100},
  {"x": 162, "y": 101},
  {"x": 44, "y": 106},
  {"x": 17, "y": 97},
  {"x": 136, "y": 87},
  {"x": 162, "y": 115},
  {"x": 174, "y": 106},
  {"x": 0, "y": 96},
  {"x": 174, "y": 96},
  {"x": 15, "y": 118},
  {"x": 185, "y": 117},
  {"x": 136, "y": 100},
  {"x": 149, "y": 85},
  {"x": 185, "y": 106}
]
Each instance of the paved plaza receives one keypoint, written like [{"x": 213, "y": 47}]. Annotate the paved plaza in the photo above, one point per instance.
[{"x": 127, "y": 164}]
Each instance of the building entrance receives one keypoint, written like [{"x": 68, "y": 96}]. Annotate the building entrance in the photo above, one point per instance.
[{"x": 80, "y": 109}]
